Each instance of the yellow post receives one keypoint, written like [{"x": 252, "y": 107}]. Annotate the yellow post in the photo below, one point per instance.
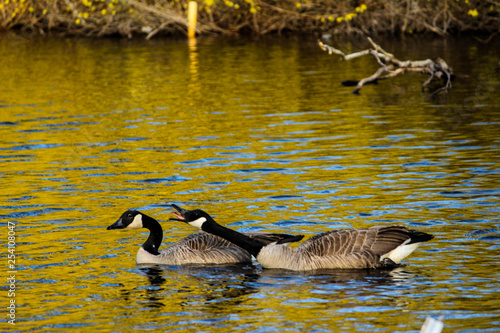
[{"x": 192, "y": 13}]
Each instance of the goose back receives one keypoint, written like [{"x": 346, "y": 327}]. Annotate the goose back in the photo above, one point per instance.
[
  {"x": 360, "y": 248},
  {"x": 198, "y": 248},
  {"x": 204, "y": 248}
]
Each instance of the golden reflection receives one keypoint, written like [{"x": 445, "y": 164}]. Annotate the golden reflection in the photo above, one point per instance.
[
  {"x": 194, "y": 88},
  {"x": 262, "y": 137}
]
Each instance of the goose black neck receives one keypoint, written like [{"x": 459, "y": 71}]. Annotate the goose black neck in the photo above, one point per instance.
[
  {"x": 153, "y": 242},
  {"x": 253, "y": 246}
]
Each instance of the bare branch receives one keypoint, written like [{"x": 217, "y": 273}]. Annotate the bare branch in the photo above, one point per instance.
[
  {"x": 369, "y": 79},
  {"x": 377, "y": 48},
  {"x": 356, "y": 54},
  {"x": 331, "y": 49},
  {"x": 388, "y": 63}
]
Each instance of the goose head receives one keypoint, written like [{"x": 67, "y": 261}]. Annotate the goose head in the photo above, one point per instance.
[
  {"x": 131, "y": 219},
  {"x": 196, "y": 217}
]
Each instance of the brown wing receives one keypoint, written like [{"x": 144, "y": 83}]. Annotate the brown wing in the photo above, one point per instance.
[
  {"x": 203, "y": 242},
  {"x": 387, "y": 239},
  {"x": 205, "y": 248},
  {"x": 206, "y": 241},
  {"x": 274, "y": 238},
  {"x": 210, "y": 249},
  {"x": 380, "y": 240},
  {"x": 353, "y": 248}
]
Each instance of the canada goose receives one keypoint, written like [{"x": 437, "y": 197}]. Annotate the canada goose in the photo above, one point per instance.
[
  {"x": 199, "y": 248},
  {"x": 376, "y": 247}
]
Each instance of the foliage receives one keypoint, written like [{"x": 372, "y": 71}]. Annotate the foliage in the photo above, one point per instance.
[{"x": 129, "y": 17}]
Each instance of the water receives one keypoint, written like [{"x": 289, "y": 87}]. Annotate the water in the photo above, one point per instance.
[{"x": 261, "y": 135}]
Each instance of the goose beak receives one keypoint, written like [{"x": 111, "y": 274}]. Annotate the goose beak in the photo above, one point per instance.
[
  {"x": 179, "y": 215},
  {"x": 117, "y": 225}
]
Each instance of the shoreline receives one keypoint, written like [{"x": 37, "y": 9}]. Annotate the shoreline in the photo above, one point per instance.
[{"x": 160, "y": 18}]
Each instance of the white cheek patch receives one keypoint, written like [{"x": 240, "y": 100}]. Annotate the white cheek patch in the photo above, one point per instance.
[
  {"x": 136, "y": 223},
  {"x": 198, "y": 222}
]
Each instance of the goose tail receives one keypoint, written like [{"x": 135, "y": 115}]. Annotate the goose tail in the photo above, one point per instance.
[
  {"x": 419, "y": 237},
  {"x": 407, "y": 247}
]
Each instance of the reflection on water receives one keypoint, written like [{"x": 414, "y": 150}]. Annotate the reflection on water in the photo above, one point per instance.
[
  {"x": 262, "y": 136},
  {"x": 230, "y": 290},
  {"x": 231, "y": 283}
]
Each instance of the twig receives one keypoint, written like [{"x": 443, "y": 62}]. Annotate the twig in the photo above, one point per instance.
[
  {"x": 370, "y": 79},
  {"x": 487, "y": 40},
  {"x": 169, "y": 15},
  {"x": 394, "y": 67},
  {"x": 377, "y": 48},
  {"x": 331, "y": 49}
]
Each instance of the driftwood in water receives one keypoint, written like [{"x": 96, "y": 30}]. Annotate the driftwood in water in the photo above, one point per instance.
[{"x": 390, "y": 66}]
